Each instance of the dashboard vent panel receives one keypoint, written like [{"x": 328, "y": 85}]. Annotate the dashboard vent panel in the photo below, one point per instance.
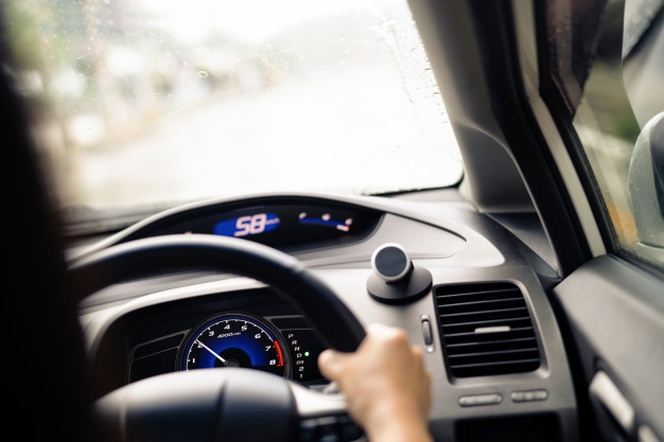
[{"x": 486, "y": 330}]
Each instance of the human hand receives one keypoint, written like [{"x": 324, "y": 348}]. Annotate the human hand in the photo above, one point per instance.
[{"x": 385, "y": 385}]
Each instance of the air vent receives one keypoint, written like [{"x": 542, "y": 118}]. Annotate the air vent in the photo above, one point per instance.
[{"x": 486, "y": 330}]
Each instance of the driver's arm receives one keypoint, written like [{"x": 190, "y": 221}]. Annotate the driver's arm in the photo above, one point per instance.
[{"x": 385, "y": 385}]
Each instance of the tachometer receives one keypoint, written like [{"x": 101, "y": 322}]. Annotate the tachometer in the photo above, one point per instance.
[{"x": 235, "y": 340}]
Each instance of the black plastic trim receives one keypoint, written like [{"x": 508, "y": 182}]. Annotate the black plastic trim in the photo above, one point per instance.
[
  {"x": 565, "y": 127},
  {"x": 494, "y": 24}
]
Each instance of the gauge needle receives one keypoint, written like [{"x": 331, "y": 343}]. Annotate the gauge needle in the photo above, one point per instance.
[{"x": 223, "y": 361}]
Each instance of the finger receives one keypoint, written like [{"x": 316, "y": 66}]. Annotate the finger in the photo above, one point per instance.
[{"x": 330, "y": 363}]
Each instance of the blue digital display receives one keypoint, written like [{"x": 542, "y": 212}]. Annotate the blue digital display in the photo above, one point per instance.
[{"x": 247, "y": 225}]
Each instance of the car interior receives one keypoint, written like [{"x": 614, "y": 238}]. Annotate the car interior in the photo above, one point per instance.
[{"x": 534, "y": 286}]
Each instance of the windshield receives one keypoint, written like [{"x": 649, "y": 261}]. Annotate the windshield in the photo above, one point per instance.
[{"x": 145, "y": 103}]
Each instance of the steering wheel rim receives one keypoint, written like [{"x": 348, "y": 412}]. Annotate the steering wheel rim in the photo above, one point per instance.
[
  {"x": 166, "y": 407},
  {"x": 337, "y": 325}
]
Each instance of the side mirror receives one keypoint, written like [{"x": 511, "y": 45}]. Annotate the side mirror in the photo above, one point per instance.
[{"x": 646, "y": 187}]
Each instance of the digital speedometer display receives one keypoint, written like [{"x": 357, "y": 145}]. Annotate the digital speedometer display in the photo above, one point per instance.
[
  {"x": 247, "y": 225},
  {"x": 278, "y": 225},
  {"x": 284, "y": 225}
]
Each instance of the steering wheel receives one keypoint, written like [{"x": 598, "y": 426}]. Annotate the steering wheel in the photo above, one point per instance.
[{"x": 230, "y": 403}]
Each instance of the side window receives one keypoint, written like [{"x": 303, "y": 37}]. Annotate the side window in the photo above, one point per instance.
[{"x": 614, "y": 93}]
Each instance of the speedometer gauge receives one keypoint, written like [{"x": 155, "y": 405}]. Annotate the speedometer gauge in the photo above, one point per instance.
[{"x": 235, "y": 340}]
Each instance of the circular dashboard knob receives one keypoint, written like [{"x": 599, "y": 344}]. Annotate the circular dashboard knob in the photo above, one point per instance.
[
  {"x": 391, "y": 262},
  {"x": 396, "y": 279}
]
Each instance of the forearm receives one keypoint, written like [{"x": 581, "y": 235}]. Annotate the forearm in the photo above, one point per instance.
[
  {"x": 388, "y": 423},
  {"x": 400, "y": 432}
]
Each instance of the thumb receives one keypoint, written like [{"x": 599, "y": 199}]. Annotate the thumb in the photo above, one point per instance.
[{"x": 330, "y": 363}]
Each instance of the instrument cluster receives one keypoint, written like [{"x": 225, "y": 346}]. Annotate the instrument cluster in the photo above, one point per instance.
[
  {"x": 278, "y": 342},
  {"x": 283, "y": 223}
]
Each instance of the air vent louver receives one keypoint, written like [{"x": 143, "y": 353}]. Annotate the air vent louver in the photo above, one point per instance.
[{"x": 486, "y": 330}]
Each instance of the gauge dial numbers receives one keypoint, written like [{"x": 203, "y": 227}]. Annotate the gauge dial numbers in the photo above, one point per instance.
[{"x": 235, "y": 340}]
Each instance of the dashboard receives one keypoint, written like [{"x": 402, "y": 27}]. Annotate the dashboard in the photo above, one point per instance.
[{"x": 489, "y": 334}]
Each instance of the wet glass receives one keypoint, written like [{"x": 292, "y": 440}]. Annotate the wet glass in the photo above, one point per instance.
[{"x": 148, "y": 103}]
